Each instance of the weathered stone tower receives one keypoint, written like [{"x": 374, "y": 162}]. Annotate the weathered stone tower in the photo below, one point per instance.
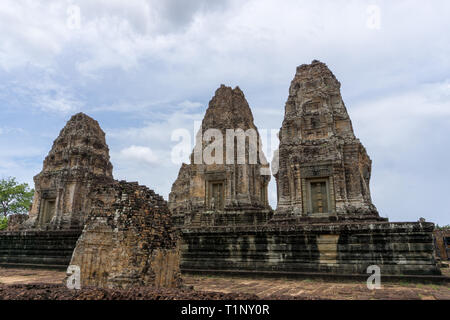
[
  {"x": 119, "y": 234},
  {"x": 78, "y": 160},
  {"x": 227, "y": 179},
  {"x": 324, "y": 170},
  {"x": 128, "y": 240},
  {"x": 325, "y": 221}
]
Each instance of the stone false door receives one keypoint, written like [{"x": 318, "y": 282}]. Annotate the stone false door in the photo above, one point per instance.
[
  {"x": 215, "y": 190},
  {"x": 47, "y": 211},
  {"x": 319, "y": 197},
  {"x": 217, "y": 195}
]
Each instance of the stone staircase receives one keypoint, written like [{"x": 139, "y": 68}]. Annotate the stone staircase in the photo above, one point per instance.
[
  {"x": 34, "y": 249},
  {"x": 196, "y": 220}
]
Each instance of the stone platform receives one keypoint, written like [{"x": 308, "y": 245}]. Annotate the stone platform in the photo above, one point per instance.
[
  {"x": 348, "y": 248},
  {"x": 46, "y": 249}
]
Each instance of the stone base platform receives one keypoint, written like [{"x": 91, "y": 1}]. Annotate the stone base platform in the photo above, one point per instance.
[
  {"x": 347, "y": 248},
  {"x": 223, "y": 218},
  {"x": 46, "y": 249}
]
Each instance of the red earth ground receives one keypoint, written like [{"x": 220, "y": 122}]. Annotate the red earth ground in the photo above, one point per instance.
[{"x": 48, "y": 284}]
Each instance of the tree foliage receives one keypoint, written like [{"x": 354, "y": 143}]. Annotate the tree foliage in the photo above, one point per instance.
[
  {"x": 3, "y": 223},
  {"x": 14, "y": 197}
]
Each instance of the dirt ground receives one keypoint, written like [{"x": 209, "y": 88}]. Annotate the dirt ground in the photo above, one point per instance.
[{"x": 47, "y": 284}]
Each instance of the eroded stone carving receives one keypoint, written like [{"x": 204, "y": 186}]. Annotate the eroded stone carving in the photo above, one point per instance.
[
  {"x": 128, "y": 236},
  {"x": 77, "y": 162},
  {"x": 203, "y": 191},
  {"x": 128, "y": 239},
  {"x": 324, "y": 170}
]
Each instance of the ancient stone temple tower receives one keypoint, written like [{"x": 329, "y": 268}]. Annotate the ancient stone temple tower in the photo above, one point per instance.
[
  {"x": 117, "y": 233},
  {"x": 78, "y": 160},
  {"x": 227, "y": 178},
  {"x": 325, "y": 221},
  {"x": 324, "y": 170}
]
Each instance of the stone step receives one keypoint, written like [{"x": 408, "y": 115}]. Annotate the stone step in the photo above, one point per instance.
[
  {"x": 56, "y": 253},
  {"x": 37, "y": 248},
  {"x": 33, "y": 266},
  {"x": 43, "y": 260}
]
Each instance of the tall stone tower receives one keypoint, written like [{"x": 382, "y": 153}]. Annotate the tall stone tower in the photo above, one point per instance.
[
  {"x": 227, "y": 178},
  {"x": 324, "y": 170},
  {"x": 78, "y": 160}
]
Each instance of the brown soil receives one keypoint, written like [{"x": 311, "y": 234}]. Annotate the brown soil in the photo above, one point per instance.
[
  {"x": 46, "y": 284},
  {"x": 40, "y": 291}
]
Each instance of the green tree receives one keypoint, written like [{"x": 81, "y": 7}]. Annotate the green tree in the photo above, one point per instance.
[
  {"x": 14, "y": 197},
  {"x": 3, "y": 223}
]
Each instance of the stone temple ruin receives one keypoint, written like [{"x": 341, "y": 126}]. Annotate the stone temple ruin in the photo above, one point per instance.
[
  {"x": 77, "y": 162},
  {"x": 128, "y": 239},
  {"x": 324, "y": 170},
  {"x": 224, "y": 191},
  {"x": 118, "y": 233},
  {"x": 218, "y": 218},
  {"x": 325, "y": 221}
]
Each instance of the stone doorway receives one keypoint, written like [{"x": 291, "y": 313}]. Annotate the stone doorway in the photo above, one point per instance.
[
  {"x": 319, "y": 198},
  {"x": 216, "y": 195},
  {"x": 48, "y": 209}
]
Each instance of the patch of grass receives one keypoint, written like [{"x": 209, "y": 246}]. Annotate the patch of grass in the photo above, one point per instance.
[
  {"x": 432, "y": 286},
  {"x": 405, "y": 284},
  {"x": 428, "y": 286}
]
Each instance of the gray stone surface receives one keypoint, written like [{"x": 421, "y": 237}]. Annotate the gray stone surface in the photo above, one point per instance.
[
  {"x": 77, "y": 162},
  {"x": 347, "y": 248},
  {"x": 324, "y": 170},
  {"x": 242, "y": 186},
  {"x": 128, "y": 239}
]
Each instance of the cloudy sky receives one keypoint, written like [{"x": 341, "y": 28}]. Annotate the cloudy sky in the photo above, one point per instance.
[{"x": 145, "y": 68}]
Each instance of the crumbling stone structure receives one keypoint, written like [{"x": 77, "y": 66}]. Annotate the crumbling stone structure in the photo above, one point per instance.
[
  {"x": 128, "y": 239},
  {"x": 15, "y": 221},
  {"x": 302, "y": 248},
  {"x": 324, "y": 170},
  {"x": 37, "y": 248},
  {"x": 231, "y": 187},
  {"x": 442, "y": 243},
  {"x": 77, "y": 162},
  {"x": 325, "y": 221}
]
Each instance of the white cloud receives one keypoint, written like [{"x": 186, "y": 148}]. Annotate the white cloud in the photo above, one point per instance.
[
  {"x": 140, "y": 154},
  {"x": 190, "y": 105},
  {"x": 58, "y": 104},
  {"x": 400, "y": 119},
  {"x": 32, "y": 32},
  {"x": 8, "y": 130},
  {"x": 239, "y": 37},
  {"x": 405, "y": 134},
  {"x": 43, "y": 93}
]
